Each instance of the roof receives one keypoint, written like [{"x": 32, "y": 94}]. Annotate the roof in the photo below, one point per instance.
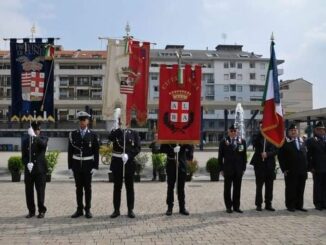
[{"x": 286, "y": 82}]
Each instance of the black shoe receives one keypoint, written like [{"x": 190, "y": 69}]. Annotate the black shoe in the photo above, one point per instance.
[
  {"x": 77, "y": 214},
  {"x": 184, "y": 211},
  {"x": 270, "y": 208},
  {"x": 319, "y": 208},
  {"x": 229, "y": 210},
  {"x": 30, "y": 215},
  {"x": 154, "y": 179},
  {"x": 115, "y": 214},
  {"x": 291, "y": 209},
  {"x": 258, "y": 208},
  {"x": 302, "y": 209},
  {"x": 131, "y": 214},
  {"x": 238, "y": 210},
  {"x": 41, "y": 215},
  {"x": 169, "y": 212},
  {"x": 88, "y": 214}
]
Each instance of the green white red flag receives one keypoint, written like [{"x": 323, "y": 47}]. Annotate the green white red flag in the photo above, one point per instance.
[{"x": 272, "y": 123}]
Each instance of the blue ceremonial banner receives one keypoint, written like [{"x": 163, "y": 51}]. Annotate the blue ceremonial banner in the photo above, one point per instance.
[{"x": 31, "y": 80}]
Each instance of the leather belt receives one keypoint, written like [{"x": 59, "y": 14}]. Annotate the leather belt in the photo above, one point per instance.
[{"x": 83, "y": 158}]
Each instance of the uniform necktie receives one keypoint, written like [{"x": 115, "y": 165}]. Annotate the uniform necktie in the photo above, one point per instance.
[
  {"x": 297, "y": 143},
  {"x": 82, "y": 133}
]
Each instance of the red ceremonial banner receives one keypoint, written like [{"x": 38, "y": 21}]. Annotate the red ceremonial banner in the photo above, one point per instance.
[
  {"x": 179, "y": 105},
  {"x": 137, "y": 99}
]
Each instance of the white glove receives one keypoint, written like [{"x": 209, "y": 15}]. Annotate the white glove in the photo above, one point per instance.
[
  {"x": 71, "y": 172},
  {"x": 30, "y": 166},
  {"x": 124, "y": 158},
  {"x": 176, "y": 149},
  {"x": 93, "y": 171},
  {"x": 31, "y": 132}
]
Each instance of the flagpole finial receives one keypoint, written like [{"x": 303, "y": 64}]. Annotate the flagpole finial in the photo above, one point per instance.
[{"x": 272, "y": 37}]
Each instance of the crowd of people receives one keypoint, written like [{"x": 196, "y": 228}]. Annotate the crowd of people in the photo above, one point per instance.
[{"x": 296, "y": 158}]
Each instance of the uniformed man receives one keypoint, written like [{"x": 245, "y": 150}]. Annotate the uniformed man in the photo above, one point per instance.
[
  {"x": 263, "y": 161},
  {"x": 293, "y": 162},
  {"x": 317, "y": 164},
  {"x": 126, "y": 146},
  {"x": 232, "y": 158},
  {"x": 33, "y": 156},
  {"x": 83, "y": 159},
  {"x": 155, "y": 147},
  {"x": 185, "y": 152}
]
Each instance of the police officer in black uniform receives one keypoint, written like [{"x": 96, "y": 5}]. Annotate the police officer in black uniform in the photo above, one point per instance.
[
  {"x": 232, "y": 158},
  {"x": 317, "y": 164},
  {"x": 33, "y": 156},
  {"x": 126, "y": 146},
  {"x": 83, "y": 159},
  {"x": 185, "y": 152},
  {"x": 293, "y": 162},
  {"x": 263, "y": 161}
]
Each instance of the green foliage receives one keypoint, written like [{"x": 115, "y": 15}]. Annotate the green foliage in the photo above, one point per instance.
[
  {"x": 51, "y": 159},
  {"x": 15, "y": 164},
  {"x": 212, "y": 165},
  {"x": 106, "y": 153},
  {"x": 192, "y": 166},
  {"x": 159, "y": 161},
  {"x": 140, "y": 160}
]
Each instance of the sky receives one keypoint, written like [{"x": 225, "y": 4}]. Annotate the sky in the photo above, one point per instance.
[{"x": 299, "y": 27}]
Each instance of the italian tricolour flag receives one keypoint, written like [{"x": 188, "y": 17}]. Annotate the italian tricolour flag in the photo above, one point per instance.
[{"x": 272, "y": 123}]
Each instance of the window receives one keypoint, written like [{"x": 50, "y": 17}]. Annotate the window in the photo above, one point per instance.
[
  {"x": 232, "y": 75},
  {"x": 255, "y": 98},
  {"x": 211, "y": 124},
  {"x": 233, "y": 98},
  {"x": 226, "y": 76},
  {"x": 262, "y": 77},
  {"x": 252, "y": 76},
  {"x": 232, "y": 87},
  {"x": 239, "y": 98},
  {"x": 208, "y": 78},
  {"x": 239, "y": 88},
  {"x": 257, "y": 88},
  {"x": 281, "y": 95},
  {"x": 154, "y": 77},
  {"x": 284, "y": 87},
  {"x": 226, "y": 88},
  {"x": 210, "y": 112},
  {"x": 232, "y": 64},
  {"x": 156, "y": 88},
  {"x": 252, "y": 65},
  {"x": 66, "y": 67},
  {"x": 209, "y": 90},
  {"x": 239, "y": 65},
  {"x": 226, "y": 65},
  {"x": 262, "y": 66},
  {"x": 239, "y": 76}
]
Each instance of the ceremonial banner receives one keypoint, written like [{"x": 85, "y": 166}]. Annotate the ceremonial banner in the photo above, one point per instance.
[
  {"x": 126, "y": 81},
  {"x": 179, "y": 105},
  {"x": 272, "y": 122},
  {"x": 31, "y": 80}
]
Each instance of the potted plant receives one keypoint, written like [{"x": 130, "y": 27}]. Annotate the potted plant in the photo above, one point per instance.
[
  {"x": 159, "y": 163},
  {"x": 16, "y": 167},
  {"x": 192, "y": 167},
  {"x": 213, "y": 168},
  {"x": 140, "y": 161},
  {"x": 51, "y": 159}
]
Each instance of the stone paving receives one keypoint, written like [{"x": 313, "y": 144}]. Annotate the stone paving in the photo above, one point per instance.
[{"x": 208, "y": 222}]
